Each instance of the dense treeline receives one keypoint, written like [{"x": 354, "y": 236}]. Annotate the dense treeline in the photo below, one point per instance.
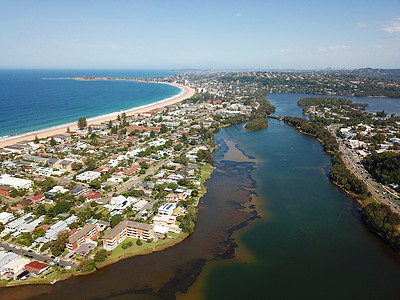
[
  {"x": 385, "y": 167},
  {"x": 258, "y": 123},
  {"x": 235, "y": 119},
  {"x": 314, "y": 101},
  {"x": 343, "y": 177},
  {"x": 318, "y": 130},
  {"x": 383, "y": 222},
  {"x": 265, "y": 108}
]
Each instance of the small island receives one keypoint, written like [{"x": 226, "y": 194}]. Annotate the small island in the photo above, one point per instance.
[{"x": 255, "y": 124}]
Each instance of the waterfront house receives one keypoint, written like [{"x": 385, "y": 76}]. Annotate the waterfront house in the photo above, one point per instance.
[
  {"x": 14, "y": 267},
  {"x": 36, "y": 268}
]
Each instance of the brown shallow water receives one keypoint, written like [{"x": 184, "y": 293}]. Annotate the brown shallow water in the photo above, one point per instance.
[{"x": 222, "y": 210}]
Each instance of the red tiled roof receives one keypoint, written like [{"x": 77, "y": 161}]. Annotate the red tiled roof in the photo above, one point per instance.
[
  {"x": 37, "y": 197},
  {"x": 36, "y": 265}
]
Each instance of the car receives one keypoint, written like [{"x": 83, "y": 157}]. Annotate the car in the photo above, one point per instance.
[
  {"x": 71, "y": 256},
  {"x": 12, "y": 245},
  {"x": 57, "y": 259},
  {"x": 17, "y": 247},
  {"x": 51, "y": 263},
  {"x": 1, "y": 248},
  {"x": 30, "y": 250},
  {"x": 68, "y": 267}
]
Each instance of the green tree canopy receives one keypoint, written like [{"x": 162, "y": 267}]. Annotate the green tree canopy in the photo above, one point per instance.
[{"x": 82, "y": 123}]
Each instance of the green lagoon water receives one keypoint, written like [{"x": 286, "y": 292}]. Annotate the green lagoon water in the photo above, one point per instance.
[{"x": 312, "y": 244}]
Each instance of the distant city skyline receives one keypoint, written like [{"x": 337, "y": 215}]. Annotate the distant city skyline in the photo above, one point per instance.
[{"x": 199, "y": 34}]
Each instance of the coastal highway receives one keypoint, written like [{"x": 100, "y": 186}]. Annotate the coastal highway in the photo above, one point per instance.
[{"x": 353, "y": 163}]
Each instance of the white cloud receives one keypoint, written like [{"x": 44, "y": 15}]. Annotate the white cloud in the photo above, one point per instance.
[
  {"x": 334, "y": 48},
  {"x": 238, "y": 15},
  {"x": 284, "y": 50},
  {"x": 362, "y": 25},
  {"x": 393, "y": 26}
]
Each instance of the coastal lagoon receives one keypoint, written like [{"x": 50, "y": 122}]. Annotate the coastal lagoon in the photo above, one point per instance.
[
  {"x": 31, "y": 100},
  {"x": 311, "y": 243},
  {"x": 270, "y": 226}
]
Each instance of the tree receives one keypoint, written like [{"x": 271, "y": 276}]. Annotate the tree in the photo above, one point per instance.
[
  {"x": 205, "y": 155},
  {"x": 14, "y": 193},
  {"x": 86, "y": 265},
  {"x": 51, "y": 212},
  {"x": 82, "y": 123},
  {"x": 91, "y": 164},
  {"x": 58, "y": 246},
  {"x": 39, "y": 232},
  {"x": 53, "y": 142},
  {"x": 41, "y": 210},
  {"x": 48, "y": 184},
  {"x": 36, "y": 140},
  {"x": 163, "y": 128},
  {"x": 62, "y": 207},
  {"x": 115, "y": 220},
  {"x": 139, "y": 242},
  {"x": 100, "y": 255},
  {"x": 76, "y": 166}
]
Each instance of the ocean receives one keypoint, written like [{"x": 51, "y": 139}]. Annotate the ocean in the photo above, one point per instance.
[{"x": 29, "y": 102}]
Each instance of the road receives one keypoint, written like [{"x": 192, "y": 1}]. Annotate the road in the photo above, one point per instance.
[
  {"x": 353, "y": 163},
  {"x": 39, "y": 257},
  {"x": 132, "y": 181}
]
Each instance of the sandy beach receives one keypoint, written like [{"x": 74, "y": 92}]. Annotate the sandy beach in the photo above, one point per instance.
[{"x": 186, "y": 93}]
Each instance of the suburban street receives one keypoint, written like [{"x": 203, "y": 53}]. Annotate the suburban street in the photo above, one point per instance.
[{"x": 32, "y": 255}]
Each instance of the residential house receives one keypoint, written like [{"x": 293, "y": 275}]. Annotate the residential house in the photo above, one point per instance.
[
  {"x": 36, "y": 268},
  {"x": 5, "y": 190},
  {"x": 89, "y": 232},
  {"x": 127, "y": 229}
]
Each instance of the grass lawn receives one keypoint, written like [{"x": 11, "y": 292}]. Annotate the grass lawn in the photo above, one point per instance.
[
  {"x": 206, "y": 173},
  {"x": 145, "y": 248}
]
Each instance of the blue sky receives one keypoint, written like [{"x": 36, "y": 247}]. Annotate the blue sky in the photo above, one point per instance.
[{"x": 153, "y": 34}]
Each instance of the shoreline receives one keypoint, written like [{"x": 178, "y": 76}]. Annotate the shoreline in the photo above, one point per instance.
[{"x": 186, "y": 92}]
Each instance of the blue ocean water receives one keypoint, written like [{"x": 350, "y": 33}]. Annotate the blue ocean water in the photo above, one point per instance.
[{"x": 28, "y": 102}]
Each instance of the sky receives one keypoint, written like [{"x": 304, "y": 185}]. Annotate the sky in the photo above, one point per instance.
[{"x": 175, "y": 34}]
